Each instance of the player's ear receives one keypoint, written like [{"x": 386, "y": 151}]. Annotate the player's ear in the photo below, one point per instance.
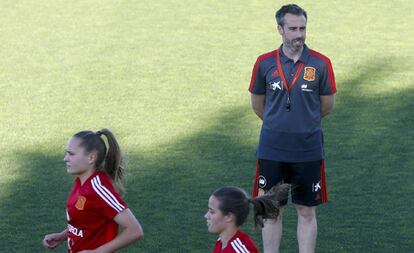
[
  {"x": 230, "y": 217},
  {"x": 92, "y": 156},
  {"x": 280, "y": 29}
]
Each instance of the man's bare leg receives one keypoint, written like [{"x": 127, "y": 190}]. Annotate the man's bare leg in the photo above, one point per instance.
[
  {"x": 307, "y": 229},
  {"x": 272, "y": 234}
]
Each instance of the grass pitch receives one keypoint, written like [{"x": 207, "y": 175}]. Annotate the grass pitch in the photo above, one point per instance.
[{"x": 170, "y": 79}]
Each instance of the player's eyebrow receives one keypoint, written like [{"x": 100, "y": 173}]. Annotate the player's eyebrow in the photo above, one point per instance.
[
  {"x": 296, "y": 27},
  {"x": 69, "y": 152}
]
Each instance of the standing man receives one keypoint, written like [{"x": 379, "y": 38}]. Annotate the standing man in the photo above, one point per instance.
[{"x": 292, "y": 88}]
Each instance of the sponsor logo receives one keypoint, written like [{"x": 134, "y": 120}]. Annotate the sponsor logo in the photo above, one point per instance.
[
  {"x": 316, "y": 186},
  {"x": 77, "y": 232},
  {"x": 80, "y": 203},
  {"x": 309, "y": 74},
  {"x": 262, "y": 181},
  {"x": 275, "y": 85},
  {"x": 304, "y": 87},
  {"x": 275, "y": 73}
]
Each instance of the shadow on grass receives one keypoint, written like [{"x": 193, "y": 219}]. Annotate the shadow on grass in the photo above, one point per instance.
[
  {"x": 369, "y": 158},
  {"x": 167, "y": 190},
  {"x": 33, "y": 203},
  {"x": 369, "y": 143}
]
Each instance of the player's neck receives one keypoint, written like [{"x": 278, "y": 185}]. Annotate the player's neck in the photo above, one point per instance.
[
  {"x": 85, "y": 175},
  {"x": 227, "y": 234},
  {"x": 292, "y": 54}
]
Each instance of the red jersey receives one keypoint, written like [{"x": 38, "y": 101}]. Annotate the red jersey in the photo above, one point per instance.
[
  {"x": 90, "y": 210},
  {"x": 239, "y": 243}
]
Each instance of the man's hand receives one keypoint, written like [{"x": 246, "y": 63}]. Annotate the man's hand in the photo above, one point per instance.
[
  {"x": 258, "y": 103},
  {"x": 327, "y": 104}
]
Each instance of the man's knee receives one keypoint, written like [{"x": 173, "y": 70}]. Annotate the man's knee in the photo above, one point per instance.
[
  {"x": 270, "y": 222},
  {"x": 306, "y": 212}
]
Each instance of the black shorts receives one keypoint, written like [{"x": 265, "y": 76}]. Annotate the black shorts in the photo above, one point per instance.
[{"x": 307, "y": 179}]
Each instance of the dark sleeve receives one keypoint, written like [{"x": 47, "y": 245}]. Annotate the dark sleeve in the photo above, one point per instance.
[
  {"x": 327, "y": 80},
  {"x": 257, "y": 83}
]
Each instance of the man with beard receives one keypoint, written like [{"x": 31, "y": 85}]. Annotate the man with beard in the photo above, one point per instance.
[{"x": 292, "y": 88}]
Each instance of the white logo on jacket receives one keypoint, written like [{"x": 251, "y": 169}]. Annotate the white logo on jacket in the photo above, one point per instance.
[
  {"x": 262, "y": 181},
  {"x": 275, "y": 85},
  {"x": 304, "y": 87},
  {"x": 316, "y": 186}
]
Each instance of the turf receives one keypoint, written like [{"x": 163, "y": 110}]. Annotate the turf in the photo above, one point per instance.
[{"x": 170, "y": 79}]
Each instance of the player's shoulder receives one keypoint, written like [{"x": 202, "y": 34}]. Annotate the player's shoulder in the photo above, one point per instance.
[
  {"x": 105, "y": 191},
  {"x": 101, "y": 180},
  {"x": 102, "y": 175},
  {"x": 241, "y": 242},
  {"x": 267, "y": 55},
  {"x": 318, "y": 57}
]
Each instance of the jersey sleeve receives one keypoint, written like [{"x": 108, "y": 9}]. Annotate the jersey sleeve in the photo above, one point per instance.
[
  {"x": 243, "y": 246},
  {"x": 109, "y": 201},
  {"x": 327, "y": 85},
  {"x": 257, "y": 82}
]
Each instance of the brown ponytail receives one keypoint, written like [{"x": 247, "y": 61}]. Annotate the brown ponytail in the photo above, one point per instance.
[
  {"x": 109, "y": 158},
  {"x": 234, "y": 200},
  {"x": 267, "y": 206},
  {"x": 113, "y": 160}
]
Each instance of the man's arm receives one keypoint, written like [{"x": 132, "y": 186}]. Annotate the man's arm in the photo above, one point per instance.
[
  {"x": 258, "y": 102},
  {"x": 327, "y": 104}
]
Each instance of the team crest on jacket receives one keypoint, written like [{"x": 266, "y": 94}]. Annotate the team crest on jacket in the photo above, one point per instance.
[
  {"x": 80, "y": 203},
  {"x": 309, "y": 74},
  {"x": 275, "y": 73}
]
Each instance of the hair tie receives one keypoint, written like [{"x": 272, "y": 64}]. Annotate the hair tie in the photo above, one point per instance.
[{"x": 99, "y": 133}]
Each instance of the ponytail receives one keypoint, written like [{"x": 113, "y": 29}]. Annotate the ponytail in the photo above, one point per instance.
[
  {"x": 112, "y": 163},
  {"x": 234, "y": 200},
  {"x": 109, "y": 158},
  {"x": 267, "y": 206}
]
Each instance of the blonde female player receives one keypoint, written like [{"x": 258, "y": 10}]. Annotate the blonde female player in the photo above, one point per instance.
[
  {"x": 228, "y": 208},
  {"x": 94, "y": 208}
]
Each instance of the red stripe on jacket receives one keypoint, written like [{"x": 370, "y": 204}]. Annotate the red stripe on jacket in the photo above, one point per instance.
[
  {"x": 330, "y": 69},
  {"x": 256, "y": 67}
]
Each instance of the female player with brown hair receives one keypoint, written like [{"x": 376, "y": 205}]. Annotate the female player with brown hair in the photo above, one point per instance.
[
  {"x": 94, "y": 208},
  {"x": 228, "y": 208}
]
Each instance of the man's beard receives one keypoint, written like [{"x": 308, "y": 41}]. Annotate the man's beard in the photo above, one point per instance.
[{"x": 296, "y": 44}]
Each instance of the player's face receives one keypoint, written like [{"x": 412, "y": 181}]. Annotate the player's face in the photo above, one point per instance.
[
  {"x": 216, "y": 221},
  {"x": 77, "y": 160},
  {"x": 293, "y": 32}
]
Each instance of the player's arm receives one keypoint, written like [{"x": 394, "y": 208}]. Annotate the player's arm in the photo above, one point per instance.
[
  {"x": 258, "y": 102},
  {"x": 132, "y": 231},
  {"x": 327, "y": 104},
  {"x": 51, "y": 241}
]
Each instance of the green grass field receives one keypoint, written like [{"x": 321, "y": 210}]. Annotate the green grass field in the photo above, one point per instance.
[{"x": 170, "y": 79}]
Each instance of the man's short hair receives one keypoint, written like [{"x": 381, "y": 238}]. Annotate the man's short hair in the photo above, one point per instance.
[{"x": 289, "y": 8}]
